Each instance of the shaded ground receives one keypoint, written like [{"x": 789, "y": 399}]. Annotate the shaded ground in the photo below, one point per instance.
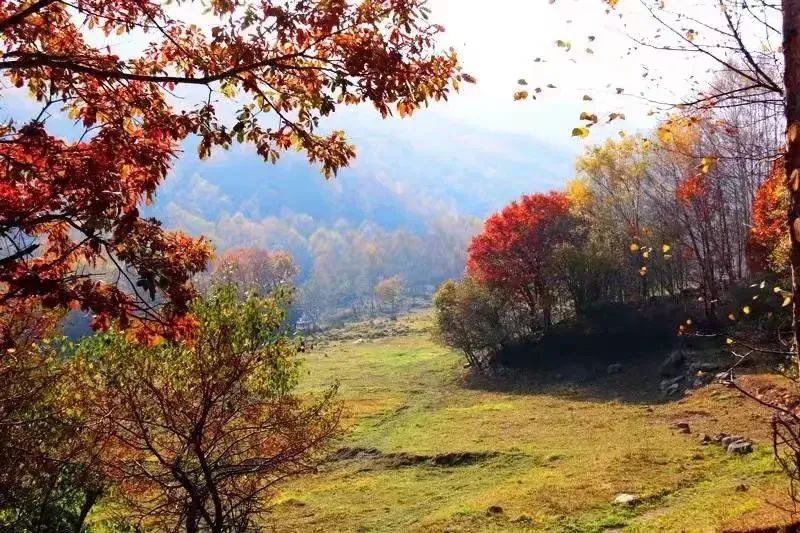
[{"x": 539, "y": 453}]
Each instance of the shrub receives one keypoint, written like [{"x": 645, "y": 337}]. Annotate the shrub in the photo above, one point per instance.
[{"x": 195, "y": 434}]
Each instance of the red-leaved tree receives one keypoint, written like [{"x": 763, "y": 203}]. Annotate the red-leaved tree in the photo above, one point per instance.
[
  {"x": 768, "y": 243},
  {"x": 514, "y": 250},
  {"x": 71, "y": 232}
]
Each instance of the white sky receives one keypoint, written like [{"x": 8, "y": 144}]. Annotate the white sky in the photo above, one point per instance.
[{"x": 498, "y": 42}]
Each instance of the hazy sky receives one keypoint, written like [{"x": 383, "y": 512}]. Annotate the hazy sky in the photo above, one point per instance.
[{"x": 499, "y": 41}]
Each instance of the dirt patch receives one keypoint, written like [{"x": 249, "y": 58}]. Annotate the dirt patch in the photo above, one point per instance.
[{"x": 379, "y": 459}]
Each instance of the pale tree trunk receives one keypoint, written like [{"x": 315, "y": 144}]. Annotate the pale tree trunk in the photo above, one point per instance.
[{"x": 791, "y": 51}]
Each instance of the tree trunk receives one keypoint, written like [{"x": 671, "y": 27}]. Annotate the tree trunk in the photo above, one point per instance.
[
  {"x": 88, "y": 502},
  {"x": 791, "y": 51}
]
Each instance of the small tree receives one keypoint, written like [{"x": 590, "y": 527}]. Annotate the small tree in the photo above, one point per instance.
[
  {"x": 473, "y": 319},
  {"x": 197, "y": 433},
  {"x": 389, "y": 292}
]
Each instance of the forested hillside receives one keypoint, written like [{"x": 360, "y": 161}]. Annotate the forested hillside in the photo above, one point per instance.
[{"x": 407, "y": 207}]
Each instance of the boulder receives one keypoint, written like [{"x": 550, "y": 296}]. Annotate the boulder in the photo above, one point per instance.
[
  {"x": 626, "y": 499},
  {"x": 741, "y": 447},
  {"x": 730, "y": 439},
  {"x": 494, "y": 510},
  {"x": 683, "y": 427},
  {"x": 615, "y": 368},
  {"x": 722, "y": 377}
]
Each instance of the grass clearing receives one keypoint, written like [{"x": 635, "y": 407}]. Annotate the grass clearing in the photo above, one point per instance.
[{"x": 557, "y": 453}]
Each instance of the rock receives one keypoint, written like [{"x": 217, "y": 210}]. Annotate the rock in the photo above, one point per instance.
[
  {"x": 626, "y": 499},
  {"x": 705, "y": 439},
  {"x": 615, "y": 368},
  {"x": 741, "y": 447},
  {"x": 730, "y": 439},
  {"x": 523, "y": 519},
  {"x": 667, "y": 383},
  {"x": 683, "y": 427},
  {"x": 705, "y": 367},
  {"x": 741, "y": 488},
  {"x": 494, "y": 510},
  {"x": 674, "y": 364}
]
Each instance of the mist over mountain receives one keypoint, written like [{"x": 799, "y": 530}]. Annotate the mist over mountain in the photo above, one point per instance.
[{"x": 407, "y": 173}]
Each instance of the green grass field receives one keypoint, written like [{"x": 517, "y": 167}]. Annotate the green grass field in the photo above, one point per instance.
[{"x": 550, "y": 454}]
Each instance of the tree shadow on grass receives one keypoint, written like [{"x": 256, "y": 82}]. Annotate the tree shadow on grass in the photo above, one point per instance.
[
  {"x": 636, "y": 380},
  {"x": 614, "y": 353}
]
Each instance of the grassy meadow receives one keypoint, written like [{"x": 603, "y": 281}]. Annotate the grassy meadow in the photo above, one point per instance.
[{"x": 542, "y": 453}]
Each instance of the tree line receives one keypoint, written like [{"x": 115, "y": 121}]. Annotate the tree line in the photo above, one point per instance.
[{"x": 683, "y": 214}]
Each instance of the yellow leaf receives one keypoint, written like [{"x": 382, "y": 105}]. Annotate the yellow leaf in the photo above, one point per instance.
[
  {"x": 634, "y": 247},
  {"x": 746, "y": 309},
  {"x": 580, "y": 132},
  {"x": 646, "y": 255},
  {"x": 729, "y": 340},
  {"x": 228, "y": 90},
  {"x": 564, "y": 44},
  {"x": 665, "y": 135},
  {"x": 643, "y": 271},
  {"x": 706, "y": 164},
  {"x": 665, "y": 248},
  {"x": 786, "y": 301}
]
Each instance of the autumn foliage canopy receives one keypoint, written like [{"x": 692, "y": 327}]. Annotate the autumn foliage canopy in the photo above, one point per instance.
[
  {"x": 512, "y": 251},
  {"x": 768, "y": 242},
  {"x": 71, "y": 230}
]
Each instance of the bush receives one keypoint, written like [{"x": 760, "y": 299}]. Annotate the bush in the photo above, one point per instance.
[
  {"x": 476, "y": 320},
  {"x": 195, "y": 434}
]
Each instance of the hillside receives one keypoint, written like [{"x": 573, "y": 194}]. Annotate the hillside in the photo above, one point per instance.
[
  {"x": 407, "y": 174},
  {"x": 428, "y": 451}
]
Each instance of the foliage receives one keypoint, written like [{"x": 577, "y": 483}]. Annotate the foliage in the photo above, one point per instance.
[
  {"x": 196, "y": 434},
  {"x": 468, "y": 319},
  {"x": 768, "y": 243},
  {"x": 255, "y": 270},
  {"x": 513, "y": 251},
  {"x": 46, "y": 478},
  {"x": 71, "y": 205}
]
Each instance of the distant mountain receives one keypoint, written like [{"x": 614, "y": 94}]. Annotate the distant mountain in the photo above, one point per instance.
[{"x": 407, "y": 173}]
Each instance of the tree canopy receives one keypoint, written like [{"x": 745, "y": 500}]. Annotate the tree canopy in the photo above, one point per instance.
[{"x": 71, "y": 230}]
